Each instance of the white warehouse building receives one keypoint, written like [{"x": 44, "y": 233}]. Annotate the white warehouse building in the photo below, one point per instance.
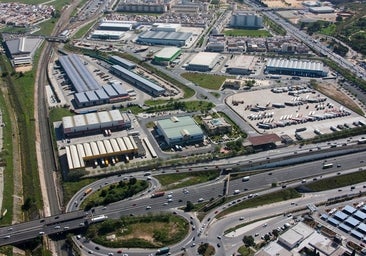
[
  {"x": 203, "y": 61},
  {"x": 95, "y": 122},
  {"x": 167, "y": 27}
]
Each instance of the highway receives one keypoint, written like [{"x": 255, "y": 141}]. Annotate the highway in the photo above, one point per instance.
[{"x": 258, "y": 184}]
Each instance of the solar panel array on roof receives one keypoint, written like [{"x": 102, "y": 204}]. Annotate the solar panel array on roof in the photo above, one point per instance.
[
  {"x": 352, "y": 222},
  {"x": 356, "y": 234},
  {"x": 344, "y": 227},
  {"x": 359, "y": 215},
  {"x": 340, "y": 216},
  {"x": 362, "y": 228},
  {"x": 349, "y": 209},
  {"x": 333, "y": 221}
]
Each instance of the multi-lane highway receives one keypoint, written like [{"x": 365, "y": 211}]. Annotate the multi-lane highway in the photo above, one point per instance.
[{"x": 258, "y": 184}]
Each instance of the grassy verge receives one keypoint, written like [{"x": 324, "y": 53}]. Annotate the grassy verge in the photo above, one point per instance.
[
  {"x": 6, "y": 158},
  {"x": 188, "y": 106},
  {"x": 21, "y": 91},
  {"x": 211, "y": 82},
  {"x": 245, "y": 251},
  {"x": 71, "y": 187},
  {"x": 337, "y": 182},
  {"x": 56, "y": 114},
  {"x": 114, "y": 193},
  {"x": 186, "y": 179},
  {"x": 277, "y": 196},
  {"x": 150, "y": 231},
  {"x": 247, "y": 32},
  {"x": 83, "y": 30}
]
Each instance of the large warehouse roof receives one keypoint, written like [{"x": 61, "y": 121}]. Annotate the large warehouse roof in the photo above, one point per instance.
[
  {"x": 204, "y": 59},
  {"x": 241, "y": 61},
  {"x": 79, "y": 153},
  {"x": 126, "y": 26},
  {"x": 136, "y": 77},
  {"x": 126, "y": 63},
  {"x": 165, "y": 35},
  {"x": 22, "y": 45},
  {"x": 92, "y": 121},
  {"x": 80, "y": 77},
  {"x": 296, "y": 64},
  {"x": 167, "y": 52},
  {"x": 176, "y": 127}
]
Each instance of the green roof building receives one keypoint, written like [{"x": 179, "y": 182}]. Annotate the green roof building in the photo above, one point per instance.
[
  {"x": 167, "y": 55},
  {"x": 181, "y": 130}
]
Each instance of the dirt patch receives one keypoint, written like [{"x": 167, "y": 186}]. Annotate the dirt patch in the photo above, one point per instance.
[{"x": 338, "y": 95}]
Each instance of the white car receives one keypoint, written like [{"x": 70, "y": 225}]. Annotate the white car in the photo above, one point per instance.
[
  {"x": 148, "y": 207},
  {"x": 200, "y": 200}
]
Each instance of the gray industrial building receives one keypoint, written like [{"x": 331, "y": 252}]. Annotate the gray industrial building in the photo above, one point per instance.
[
  {"x": 106, "y": 35},
  {"x": 246, "y": 20},
  {"x": 123, "y": 6},
  {"x": 178, "y": 39},
  {"x": 181, "y": 130},
  {"x": 21, "y": 50},
  {"x": 116, "y": 25},
  {"x": 137, "y": 81},
  {"x": 203, "y": 61},
  {"x": 296, "y": 67},
  {"x": 88, "y": 92},
  {"x": 241, "y": 65},
  {"x": 122, "y": 62},
  {"x": 95, "y": 122}
]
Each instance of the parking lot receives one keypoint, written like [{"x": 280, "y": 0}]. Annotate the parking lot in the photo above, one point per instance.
[{"x": 289, "y": 110}]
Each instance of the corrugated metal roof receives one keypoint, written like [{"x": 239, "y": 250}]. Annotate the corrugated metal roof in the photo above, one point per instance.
[
  {"x": 101, "y": 94},
  {"x": 295, "y": 64},
  {"x": 91, "y": 118},
  {"x": 165, "y": 35},
  {"x": 67, "y": 122},
  {"x": 79, "y": 120},
  {"x": 122, "y": 61},
  {"x": 115, "y": 115},
  {"x": 110, "y": 90},
  {"x": 136, "y": 77},
  {"x": 91, "y": 96},
  {"x": 119, "y": 89},
  {"x": 81, "y": 97},
  {"x": 173, "y": 129}
]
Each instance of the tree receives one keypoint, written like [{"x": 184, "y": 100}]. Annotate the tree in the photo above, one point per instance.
[
  {"x": 189, "y": 206},
  {"x": 248, "y": 241},
  {"x": 275, "y": 233}
]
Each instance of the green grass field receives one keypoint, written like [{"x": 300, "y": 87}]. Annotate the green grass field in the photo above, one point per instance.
[
  {"x": 185, "y": 179},
  {"x": 247, "y": 32},
  {"x": 211, "y": 82}
]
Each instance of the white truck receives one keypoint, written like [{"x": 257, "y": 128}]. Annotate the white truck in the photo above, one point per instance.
[{"x": 246, "y": 178}]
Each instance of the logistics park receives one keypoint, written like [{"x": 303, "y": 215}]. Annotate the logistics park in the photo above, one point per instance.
[{"x": 120, "y": 127}]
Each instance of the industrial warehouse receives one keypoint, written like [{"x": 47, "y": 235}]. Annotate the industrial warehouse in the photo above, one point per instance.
[
  {"x": 88, "y": 91},
  {"x": 241, "y": 65},
  {"x": 181, "y": 130},
  {"x": 158, "y": 37},
  {"x": 203, "y": 61},
  {"x": 166, "y": 55},
  {"x": 137, "y": 81},
  {"x": 296, "y": 67},
  {"x": 101, "y": 152},
  {"x": 93, "y": 123}
]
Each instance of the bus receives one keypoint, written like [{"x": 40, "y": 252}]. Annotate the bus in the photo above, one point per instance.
[
  {"x": 326, "y": 166},
  {"x": 99, "y": 218},
  {"x": 162, "y": 251},
  {"x": 87, "y": 191}
]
